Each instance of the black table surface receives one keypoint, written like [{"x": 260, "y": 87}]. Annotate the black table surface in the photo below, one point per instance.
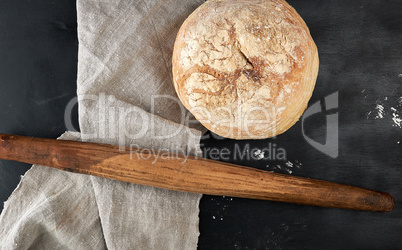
[{"x": 360, "y": 49}]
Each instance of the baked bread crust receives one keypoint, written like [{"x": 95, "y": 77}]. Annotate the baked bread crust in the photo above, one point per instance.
[{"x": 245, "y": 69}]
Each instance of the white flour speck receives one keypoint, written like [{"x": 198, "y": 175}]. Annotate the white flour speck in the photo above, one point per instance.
[
  {"x": 390, "y": 113},
  {"x": 380, "y": 111},
  {"x": 298, "y": 164},
  {"x": 259, "y": 154},
  {"x": 289, "y": 167},
  {"x": 289, "y": 164},
  {"x": 397, "y": 120},
  {"x": 395, "y": 116}
]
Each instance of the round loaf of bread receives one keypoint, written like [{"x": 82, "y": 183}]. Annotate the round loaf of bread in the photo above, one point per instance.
[{"x": 245, "y": 69}]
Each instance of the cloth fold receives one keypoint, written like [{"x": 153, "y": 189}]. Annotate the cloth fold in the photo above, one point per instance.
[{"x": 125, "y": 97}]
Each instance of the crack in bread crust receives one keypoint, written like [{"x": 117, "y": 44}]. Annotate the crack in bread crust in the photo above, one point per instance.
[{"x": 257, "y": 55}]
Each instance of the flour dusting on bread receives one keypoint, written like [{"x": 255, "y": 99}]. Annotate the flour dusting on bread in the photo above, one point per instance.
[{"x": 245, "y": 68}]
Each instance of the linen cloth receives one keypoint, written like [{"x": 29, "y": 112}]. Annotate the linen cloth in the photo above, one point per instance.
[{"x": 125, "y": 97}]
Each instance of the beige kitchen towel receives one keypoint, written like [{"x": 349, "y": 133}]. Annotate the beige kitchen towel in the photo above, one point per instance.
[{"x": 125, "y": 97}]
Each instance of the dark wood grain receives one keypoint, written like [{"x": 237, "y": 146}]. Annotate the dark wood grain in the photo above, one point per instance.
[{"x": 187, "y": 173}]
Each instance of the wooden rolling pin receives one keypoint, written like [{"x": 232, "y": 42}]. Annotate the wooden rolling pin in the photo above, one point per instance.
[{"x": 188, "y": 174}]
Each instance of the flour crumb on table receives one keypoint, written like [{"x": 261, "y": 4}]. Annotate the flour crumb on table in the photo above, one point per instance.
[
  {"x": 384, "y": 111},
  {"x": 259, "y": 154},
  {"x": 396, "y": 118},
  {"x": 380, "y": 111}
]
